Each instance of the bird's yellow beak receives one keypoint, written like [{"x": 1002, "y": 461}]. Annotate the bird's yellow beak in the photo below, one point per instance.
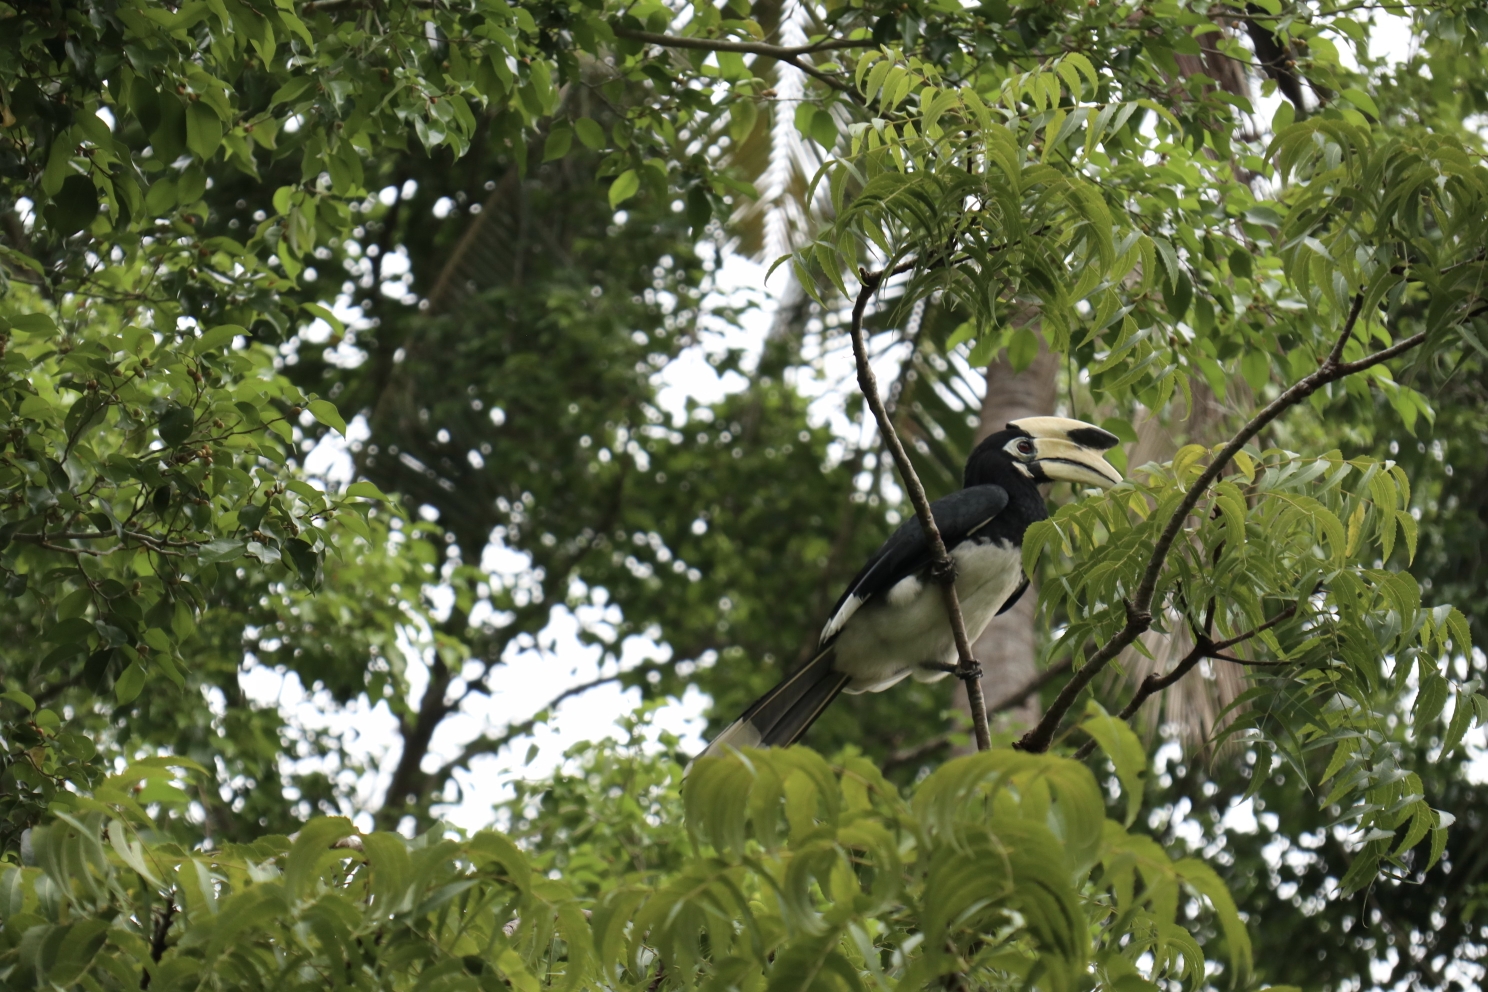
[
  {"x": 1066, "y": 461},
  {"x": 1069, "y": 451}
]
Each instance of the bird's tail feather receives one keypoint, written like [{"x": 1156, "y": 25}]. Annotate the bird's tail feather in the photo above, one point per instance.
[{"x": 782, "y": 715}]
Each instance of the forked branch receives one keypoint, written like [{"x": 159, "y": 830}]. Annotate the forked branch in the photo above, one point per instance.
[
  {"x": 1139, "y": 606},
  {"x": 942, "y": 567},
  {"x": 1203, "y": 648}
]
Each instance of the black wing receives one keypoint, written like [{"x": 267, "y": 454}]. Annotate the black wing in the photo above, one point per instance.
[{"x": 958, "y": 516}]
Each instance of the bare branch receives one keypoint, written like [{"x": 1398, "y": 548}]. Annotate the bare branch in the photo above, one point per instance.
[
  {"x": 943, "y": 569},
  {"x": 486, "y": 744},
  {"x": 1139, "y": 606}
]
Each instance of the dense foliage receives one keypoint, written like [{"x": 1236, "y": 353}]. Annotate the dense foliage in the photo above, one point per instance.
[
  {"x": 1002, "y": 868},
  {"x": 466, "y": 236}
]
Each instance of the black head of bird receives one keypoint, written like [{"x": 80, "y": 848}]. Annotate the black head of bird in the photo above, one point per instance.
[
  {"x": 890, "y": 622},
  {"x": 1044, "y": 449}
]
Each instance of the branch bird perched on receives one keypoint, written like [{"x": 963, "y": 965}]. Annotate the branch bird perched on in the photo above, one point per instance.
[{"x": 891, "y": 621}]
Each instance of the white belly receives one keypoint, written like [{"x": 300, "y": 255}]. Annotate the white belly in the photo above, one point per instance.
[{"x": 891, "y": 636}]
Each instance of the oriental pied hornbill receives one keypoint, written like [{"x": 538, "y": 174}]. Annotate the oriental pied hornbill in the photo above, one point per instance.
[{"x": 891, "y": 620}]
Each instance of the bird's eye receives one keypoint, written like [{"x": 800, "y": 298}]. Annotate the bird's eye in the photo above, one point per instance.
[{"x": 1025, "y": 447}]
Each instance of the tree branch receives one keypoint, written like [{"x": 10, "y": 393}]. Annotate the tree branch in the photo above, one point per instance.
[
  {"x": 157, "y": 939},
  {"x": 1139, "y": 606},
  {"x": 485, "y": 744},
  {"x": 790, "y": 56},
  {"x": 1203, "y": 648},
  {"x": 942, "y": 569}
]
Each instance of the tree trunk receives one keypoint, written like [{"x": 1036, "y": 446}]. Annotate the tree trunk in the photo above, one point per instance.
[{"x": 1008, "y": 648}]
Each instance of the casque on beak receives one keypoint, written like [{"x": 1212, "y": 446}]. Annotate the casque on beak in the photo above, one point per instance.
[{"x": 1069, "y": 451}]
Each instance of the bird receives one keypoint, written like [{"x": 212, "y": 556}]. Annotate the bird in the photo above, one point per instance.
[{"x": 890, "y": 622}]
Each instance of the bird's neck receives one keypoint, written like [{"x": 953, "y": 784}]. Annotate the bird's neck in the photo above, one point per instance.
[{"x": 1025, "y": 499}]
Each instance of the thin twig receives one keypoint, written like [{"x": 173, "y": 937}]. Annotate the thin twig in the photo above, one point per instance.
[
  {"x": 489, "y": 745},
  {"x": 1250, "y": 661},
  {"x": 1139, "y": 606},
  {"x": 1281, "y": 617},
  {"x": 942, "y": 568}
]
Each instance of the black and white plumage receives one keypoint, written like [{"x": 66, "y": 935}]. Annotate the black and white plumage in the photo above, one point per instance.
[{"x": 890, "y": 622}]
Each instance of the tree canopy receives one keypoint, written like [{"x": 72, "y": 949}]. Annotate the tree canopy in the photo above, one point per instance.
[{"x": 463, "y": 239}]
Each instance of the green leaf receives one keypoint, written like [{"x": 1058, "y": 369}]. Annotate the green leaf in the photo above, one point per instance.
[
  {"x": 203, "y": 130},
  {"x": 129, "y": 684},
  {"x": 325, "y": 411},
  {"x": 306, "y": 561},
  {"x": 1408, "y": 527},
  {"x": 392, "y": 871},
  {"x": 624, "y": 187},
  {"x": 1022, "y": 348},
  {"x": 1255, "y": 367},
  {"x": 243, "y": 911},
  {"x": 824, "y": 130},
  {"x": 217, "y": 338},
  {"x": 20, "y": 698},
  {"x": 590, "y": 133},
  {"x": 1462, "y": 714},
  {"x": 1363, "y": 101},
  {"x": 1207, "y": 883},
  {"x": 74, "y": 206},
  {"x": 1364, "y": 868},
  {"x": 1125, "y": 750},
  {"x": 1264, "y": 215},
  {"x": 176, "y": 424},
  {"x": 77, "y": 950},
  {"x": 366, "y": 490},
  {"x": 311, "y": 847},
  {"x": 1430, "y": 700},
  {"x": 291, "y": 90},
  {"x": 222, "y": 549},
  {"x": 76, "y": 604},
  {"x": 324, "y": 313},
  {"x": 34, "y": 323},
  {"x": 743, "y": 114},
  {"x": 559, "y": 141}
]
